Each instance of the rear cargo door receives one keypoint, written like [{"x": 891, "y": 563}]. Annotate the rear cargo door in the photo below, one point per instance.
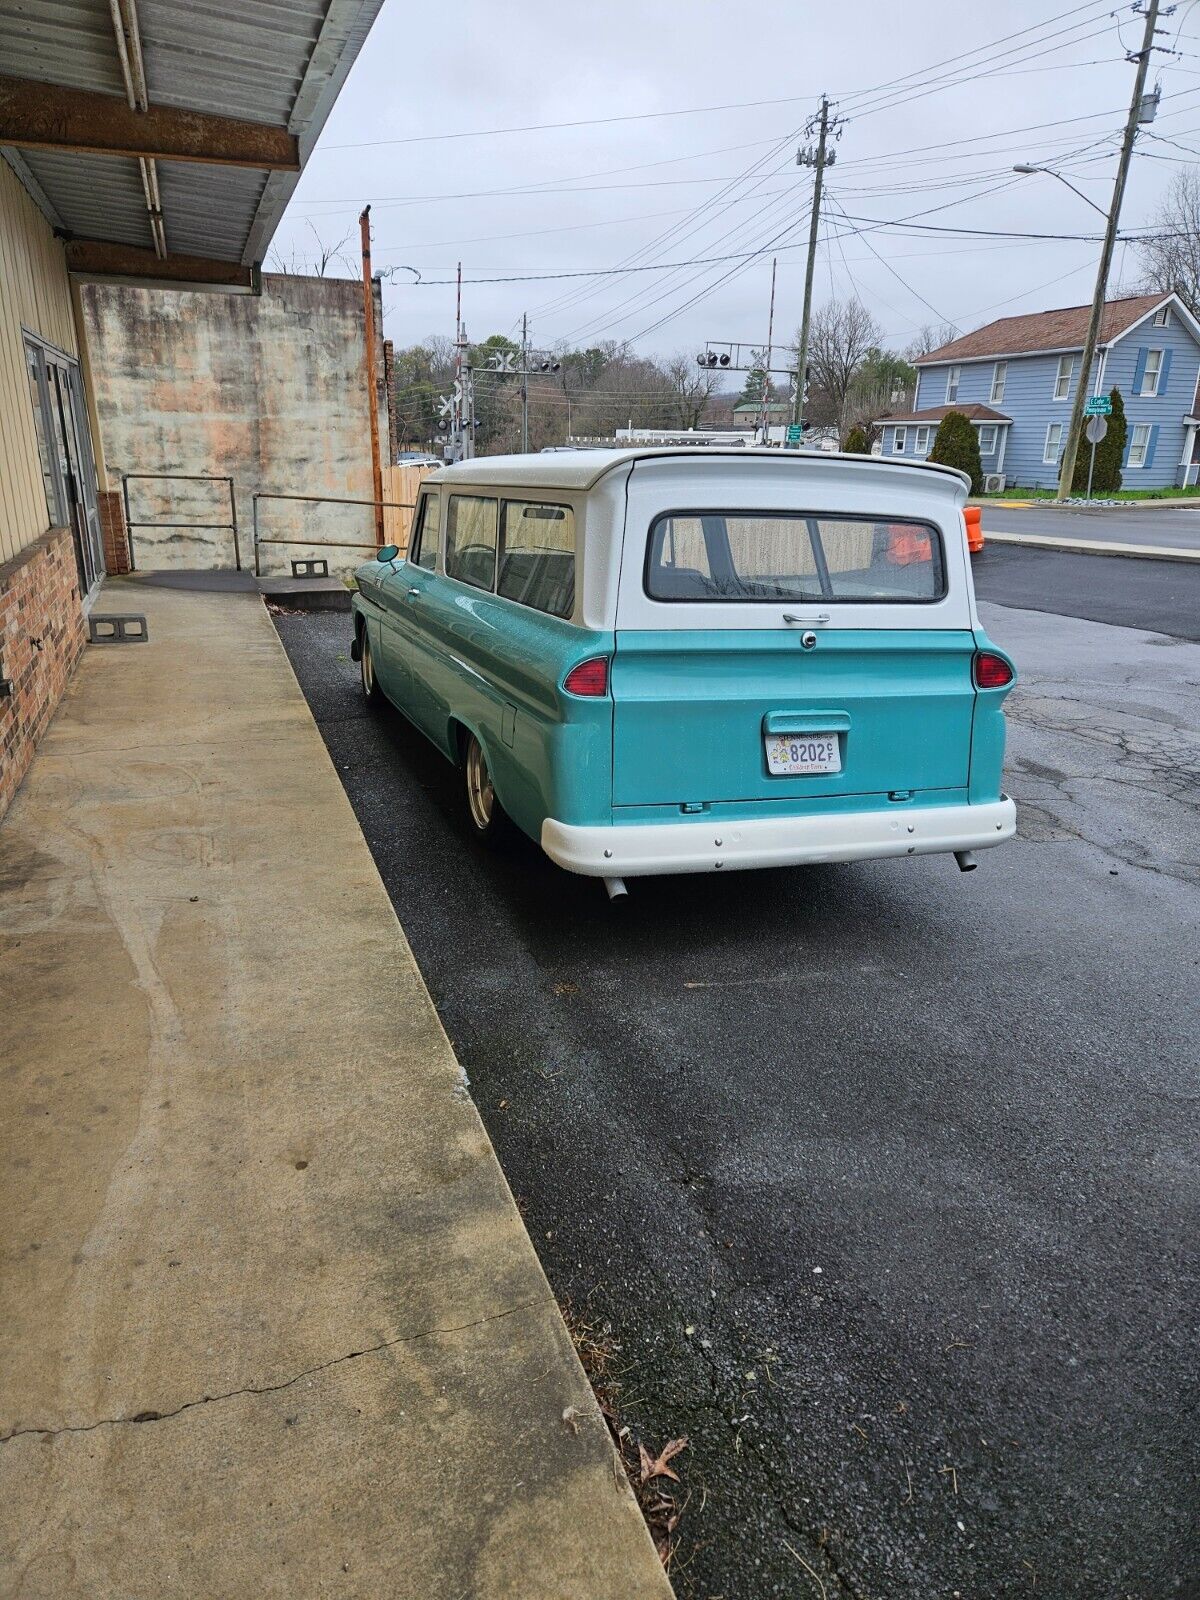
[{"x": 795, "y": 656}]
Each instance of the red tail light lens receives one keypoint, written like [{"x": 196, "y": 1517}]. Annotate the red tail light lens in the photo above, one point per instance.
[
  {"x": 992, "y": 671},
  {"x": 589, "y": 677}
]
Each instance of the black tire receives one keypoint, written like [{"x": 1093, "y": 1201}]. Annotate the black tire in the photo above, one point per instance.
[
  {"x": 372, "y": 693},
  {"x": 488, "y": 818}
]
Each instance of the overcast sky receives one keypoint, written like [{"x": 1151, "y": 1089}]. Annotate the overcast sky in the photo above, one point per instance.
[{"x": 674, "y": 188}]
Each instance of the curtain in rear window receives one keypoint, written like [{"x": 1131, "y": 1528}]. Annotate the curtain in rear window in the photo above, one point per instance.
[{"x": 781, "y": 555}]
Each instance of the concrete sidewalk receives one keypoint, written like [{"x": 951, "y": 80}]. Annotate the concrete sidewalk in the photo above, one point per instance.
[{"x": 272, "y": 1323}]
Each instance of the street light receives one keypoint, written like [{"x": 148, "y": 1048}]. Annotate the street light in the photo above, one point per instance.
[{"x": 1026, "y": 170}]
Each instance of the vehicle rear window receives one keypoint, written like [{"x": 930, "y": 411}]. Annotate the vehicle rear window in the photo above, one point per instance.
[
  {"x": 537, "y": 556},
  {"x": 793, "y": 555},
  {"x": 471, "y": 540}
]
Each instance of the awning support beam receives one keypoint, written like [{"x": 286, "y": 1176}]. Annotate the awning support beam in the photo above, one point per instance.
[
  {"x": 46, "y": 116},
  {"x": 97, "y": 258}
]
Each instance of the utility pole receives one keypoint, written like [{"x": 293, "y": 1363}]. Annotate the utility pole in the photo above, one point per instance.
[
  {"x": 1074, "y": 431},
  {"x": 364, "y": 223},
  {"x": 821, "y": 158},
  {"x": 765, "y": 411},
  {"x": 524, "y": 384}
]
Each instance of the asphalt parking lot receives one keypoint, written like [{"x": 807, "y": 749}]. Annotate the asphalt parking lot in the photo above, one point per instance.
[{"x": 883, "y": 1177}]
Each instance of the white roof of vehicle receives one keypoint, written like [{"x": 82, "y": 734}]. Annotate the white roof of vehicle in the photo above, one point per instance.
[{"x": 582, "y": 469}]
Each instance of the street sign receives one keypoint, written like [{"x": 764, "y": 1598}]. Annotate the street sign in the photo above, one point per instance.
[
  {"x": 794, "y": 433},
  {"x": 1098, "y": 405},
  {"x": 1097, "y": 427}
]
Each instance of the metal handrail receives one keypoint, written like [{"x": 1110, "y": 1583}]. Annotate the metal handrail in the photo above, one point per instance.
[
  {"x": 180, "y": 477},
  {"x": 324, "y": 544}
]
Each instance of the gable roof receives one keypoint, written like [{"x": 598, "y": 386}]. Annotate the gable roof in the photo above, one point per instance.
[
  {"x": 973, "y": 412},
  {"x": 1063, "y": 329}
]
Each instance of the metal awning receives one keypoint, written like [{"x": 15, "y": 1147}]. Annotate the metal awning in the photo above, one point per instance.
[{"x": 163, "y": 138}]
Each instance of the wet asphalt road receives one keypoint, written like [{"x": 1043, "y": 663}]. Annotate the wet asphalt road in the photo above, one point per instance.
[{"x": 883, "y": 1177}]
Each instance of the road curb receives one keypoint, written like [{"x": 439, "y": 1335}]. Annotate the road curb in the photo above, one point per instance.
[{"x": 1093, "y": 547}]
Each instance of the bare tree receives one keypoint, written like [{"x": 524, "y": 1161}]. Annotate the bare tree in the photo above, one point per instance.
[
  {"x": 841, "y": 336},
  {"x": 693, "y": 385},
  {"x": 930, "y": 337},
  {"x": 316, "y": 262},
  {"x": 1170, "y": 259}
]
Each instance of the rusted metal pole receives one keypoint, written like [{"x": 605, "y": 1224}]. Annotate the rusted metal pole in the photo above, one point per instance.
[{"x": 369, "y": 369}]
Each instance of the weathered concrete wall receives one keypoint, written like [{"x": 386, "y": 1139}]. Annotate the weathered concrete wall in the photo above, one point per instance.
[{"x": 265, "y": 389}]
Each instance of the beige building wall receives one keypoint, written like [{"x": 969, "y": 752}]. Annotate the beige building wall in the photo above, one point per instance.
[
  {"x": 267, "y": 389},
  {"x": 35, "y": 293}
]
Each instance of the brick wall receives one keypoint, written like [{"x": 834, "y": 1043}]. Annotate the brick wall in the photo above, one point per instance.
[
  {"x": 41, "y": 637},
  {"x": 113, "y": 532},
  {"x": 393, "y": 399}
]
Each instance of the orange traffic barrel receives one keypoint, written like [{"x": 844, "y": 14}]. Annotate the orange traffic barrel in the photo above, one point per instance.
[{"x": 974, "y": 518}]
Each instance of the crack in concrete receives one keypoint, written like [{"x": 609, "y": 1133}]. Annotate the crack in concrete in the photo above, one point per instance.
[{"x": 274, "y": 1388}]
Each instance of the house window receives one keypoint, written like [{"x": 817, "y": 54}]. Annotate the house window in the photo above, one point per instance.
[
  {"x": 1053, "y": 443},
  {"x": 1151, "y": 372},
  {"x": 953, "y": 374},
  {"x": 899, "y": 440},
  {"x": 921, "y": 442},
  {"x": 1139, "y": 444},
  {"x": 1062, "y": 378},
  {"x": 987, "y": 440},
  {"x": 1162, "y": 317},
  {"x": 999, "y": 379}
]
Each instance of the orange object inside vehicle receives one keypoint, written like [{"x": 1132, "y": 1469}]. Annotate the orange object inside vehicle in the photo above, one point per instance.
[{"x": 907, "y": 544}]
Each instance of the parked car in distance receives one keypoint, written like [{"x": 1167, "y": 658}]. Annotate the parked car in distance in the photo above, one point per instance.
[{"x": 697, "y": 660}]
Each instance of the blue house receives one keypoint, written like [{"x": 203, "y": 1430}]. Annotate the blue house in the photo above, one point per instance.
[{"x": 1016, "y": 379}]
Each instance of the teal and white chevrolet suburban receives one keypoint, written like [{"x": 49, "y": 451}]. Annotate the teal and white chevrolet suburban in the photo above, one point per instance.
[{"x": 698, "y": 660}]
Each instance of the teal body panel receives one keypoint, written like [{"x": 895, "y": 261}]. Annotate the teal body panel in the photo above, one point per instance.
[
  {"x": 473, "y": 660},
  {"x": 692, "y": 709}
]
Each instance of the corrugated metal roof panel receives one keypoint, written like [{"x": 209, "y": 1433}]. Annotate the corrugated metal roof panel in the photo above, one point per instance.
[
  {"x": 61, "y": 41},
  {"x": 95, "y": 196},
  {"x": 245, "y": 60},
  {"x": 208, "y": 211},
  {"x": 282, "y": 62}
]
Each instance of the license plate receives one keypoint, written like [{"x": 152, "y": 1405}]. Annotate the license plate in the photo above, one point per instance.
[{"x": 792, "y": 754}]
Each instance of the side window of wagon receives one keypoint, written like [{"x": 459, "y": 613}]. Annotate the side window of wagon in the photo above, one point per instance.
[
  {"x": 425, "y": 537},
  {"x": 471, "y": 540},
  {"x": 537, "y": 556}
]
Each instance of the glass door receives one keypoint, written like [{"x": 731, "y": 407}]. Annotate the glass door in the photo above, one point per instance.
[{"x": 65, "y": 447}]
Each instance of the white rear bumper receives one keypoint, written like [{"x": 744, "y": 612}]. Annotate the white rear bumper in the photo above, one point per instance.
[{"x": 641, "y": 849}]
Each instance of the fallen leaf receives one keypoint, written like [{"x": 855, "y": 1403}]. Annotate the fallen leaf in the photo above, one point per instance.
[{"x": 659, "y": 1468}]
